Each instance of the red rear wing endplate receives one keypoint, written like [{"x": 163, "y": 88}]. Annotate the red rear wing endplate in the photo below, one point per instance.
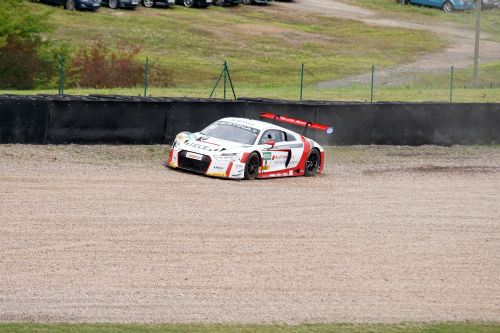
[{"x": 306, "y": 124}]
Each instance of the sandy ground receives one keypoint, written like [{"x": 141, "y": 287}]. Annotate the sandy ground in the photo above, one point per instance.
[{"x": 385, "y": 234}]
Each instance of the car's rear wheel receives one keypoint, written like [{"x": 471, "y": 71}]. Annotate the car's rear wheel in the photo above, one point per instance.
[
  {"x": 113, "y": 4},
  {"x": 148, "y": 3},
  {"x": 189, "y": 3},
  {"x": 404, "y": 2},
  {"x": 69, "y": 4},
  {"x": 247, "y": 2},
  {"x": 448, "y": 7},
  {"x": 252, "y": 166},
  {"x": 219, "y": 3},
  {"x": 312, "y": 163}
]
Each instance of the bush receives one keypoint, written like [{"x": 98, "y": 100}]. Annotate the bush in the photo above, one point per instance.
[
  {"x": 22, "y": 68},
  {"x": 101, "y": 67},
  {"x": 20, "y": 65}
]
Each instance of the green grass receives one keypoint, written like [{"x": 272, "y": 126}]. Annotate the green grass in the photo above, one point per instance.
[
  {"x": 264, "y": 47},
  {"x": 452, "y": 327},
  {"x": 490, "y": 19},
  {"x": 358, "y": 94},
  {"x": 194, "y": 42}
]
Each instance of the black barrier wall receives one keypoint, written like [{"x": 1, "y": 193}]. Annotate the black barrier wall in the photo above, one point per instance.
[
  {"x": 23, "y": 119},
  {"x": 137, "y": 120}
]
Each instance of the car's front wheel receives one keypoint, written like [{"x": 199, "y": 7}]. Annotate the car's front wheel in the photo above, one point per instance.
[
  {"x": 404, "y": 2},
  {"x": 448, "y": 7},
  {"x": 113, "y": 4},
  {"x": 148, "y": 3},
  {"x": 69, "y": 4},
  {"x": 189, "y": 3},
  {"x": 252, "y": 166},
  {"x": 312, "y": 163},
  {"x": 219, "y": 3},
  {"x": 247, "y": 2}
]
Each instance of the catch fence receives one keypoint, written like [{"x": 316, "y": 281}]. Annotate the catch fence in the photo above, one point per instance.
[{"x": 307, "y": 81}]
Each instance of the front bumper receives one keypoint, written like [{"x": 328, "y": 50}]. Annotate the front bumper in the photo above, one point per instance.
[
  {"x": 205, "y": 164},
  {"x": 129, "y": 3}
]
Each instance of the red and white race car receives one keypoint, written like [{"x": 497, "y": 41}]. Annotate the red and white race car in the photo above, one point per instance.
[{"x": 241, "y": 148}]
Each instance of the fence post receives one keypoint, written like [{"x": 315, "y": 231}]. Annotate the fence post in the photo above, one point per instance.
[
  {"x": 301, "y": 80},
  {"x": 146, "y": 77},
  {"x": 371, "y": 90},
  {"x": 61, "y": 87},
  {"x": 451, "y": 84},
  {"x": 225, "y": 78}
]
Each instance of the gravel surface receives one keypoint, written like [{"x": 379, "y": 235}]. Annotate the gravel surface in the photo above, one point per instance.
[{"x": 385, "y": 234}]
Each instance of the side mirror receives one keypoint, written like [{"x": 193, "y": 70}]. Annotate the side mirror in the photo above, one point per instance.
[{"x": 271, "y": 143}]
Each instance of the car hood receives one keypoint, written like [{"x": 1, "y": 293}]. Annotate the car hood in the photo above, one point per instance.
[{"x": 200, "y": 143}]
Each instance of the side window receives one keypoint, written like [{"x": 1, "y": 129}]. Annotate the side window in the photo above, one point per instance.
[
  {"x": 272, "y": 135},
  {"x": 290, "y": 137}
]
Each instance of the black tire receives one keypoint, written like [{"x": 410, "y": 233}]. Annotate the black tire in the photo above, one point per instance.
[
  {"x": 312, "y": 163},
  {"x": 70, "y": 5},
  {"x": 247, "y": 2},
  {"x": 252, "y": 166},
  {"x": 188, "y": 3},
  {"x": 219, "y": 3},
  {"x": 148, "y": 3},
  {"x": 113, "y": 4},
  {"x": 448, "y": 7},
  {"x": 404, "y": 2}
]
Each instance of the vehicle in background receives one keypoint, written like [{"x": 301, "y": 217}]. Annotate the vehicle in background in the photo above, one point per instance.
[
  {"x": 153, "y": 3},
  {"x": 251, "y": 2},
  {"x": 489, "y": 4},
  {"x": 75, "y": 4},
  {"x": 113, "y": 4},
  {"x": 222, "y": 3},
  {"x": 194, "y": 3},
  {"x": 445, "y": 5}
]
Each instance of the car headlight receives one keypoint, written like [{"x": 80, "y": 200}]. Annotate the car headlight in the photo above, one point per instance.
[
  {"x": 175, "y": 143},
  {"x": 226, "y": 156}
]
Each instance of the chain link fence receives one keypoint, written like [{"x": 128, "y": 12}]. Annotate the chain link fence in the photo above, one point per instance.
[{"x": 159, "y": 78}]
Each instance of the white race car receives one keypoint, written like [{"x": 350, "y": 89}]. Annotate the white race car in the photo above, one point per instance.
[{"x": 240, "y": 148}]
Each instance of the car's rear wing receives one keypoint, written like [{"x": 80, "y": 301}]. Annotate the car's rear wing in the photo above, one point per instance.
[{"x": 306, "y": 124}]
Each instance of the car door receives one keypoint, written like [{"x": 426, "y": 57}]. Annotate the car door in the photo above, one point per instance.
[
  {"x": 275, "y": 157},
  {"x": 294, "y": 144}
]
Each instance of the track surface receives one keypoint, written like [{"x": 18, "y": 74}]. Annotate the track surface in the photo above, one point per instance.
[{"x": 107, "y": 233}]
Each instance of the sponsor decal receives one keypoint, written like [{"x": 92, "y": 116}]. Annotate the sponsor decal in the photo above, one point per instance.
[
  {"x": 200, "y": 146},
  {"x": 237, "y": 125},
  {"x": 329, "y": 130},
  {"x": 217, "y": 167},
  {"x": 194, "y": 156},
  {"x": 280, "y": 157},
  {"x": 265, "y": 167},
  {"x": 266, "y": 155}
]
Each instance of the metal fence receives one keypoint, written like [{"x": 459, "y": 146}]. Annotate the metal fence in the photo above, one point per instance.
[{"x": 157, "y": 78}]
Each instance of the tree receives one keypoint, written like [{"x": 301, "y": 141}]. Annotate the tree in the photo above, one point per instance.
[
  {"x": 21, "y": 66},
  {"x": 21, "y": 22}
]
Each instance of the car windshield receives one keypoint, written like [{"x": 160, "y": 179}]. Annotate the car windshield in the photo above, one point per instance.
[{"x": 232, "y": 132}]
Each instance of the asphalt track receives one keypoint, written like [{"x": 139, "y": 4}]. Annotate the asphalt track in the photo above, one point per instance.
[{"x": 385, "y": 234}]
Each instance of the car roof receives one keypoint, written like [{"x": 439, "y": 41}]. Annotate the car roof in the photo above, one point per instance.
[{"x": 260, "y": 125}]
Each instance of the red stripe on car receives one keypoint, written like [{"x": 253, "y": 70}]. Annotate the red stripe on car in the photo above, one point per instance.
[
  {"x": 244, "y": 158},
  {"x": 229, "y": 169},
  {"x": 170, "y": 155}
]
